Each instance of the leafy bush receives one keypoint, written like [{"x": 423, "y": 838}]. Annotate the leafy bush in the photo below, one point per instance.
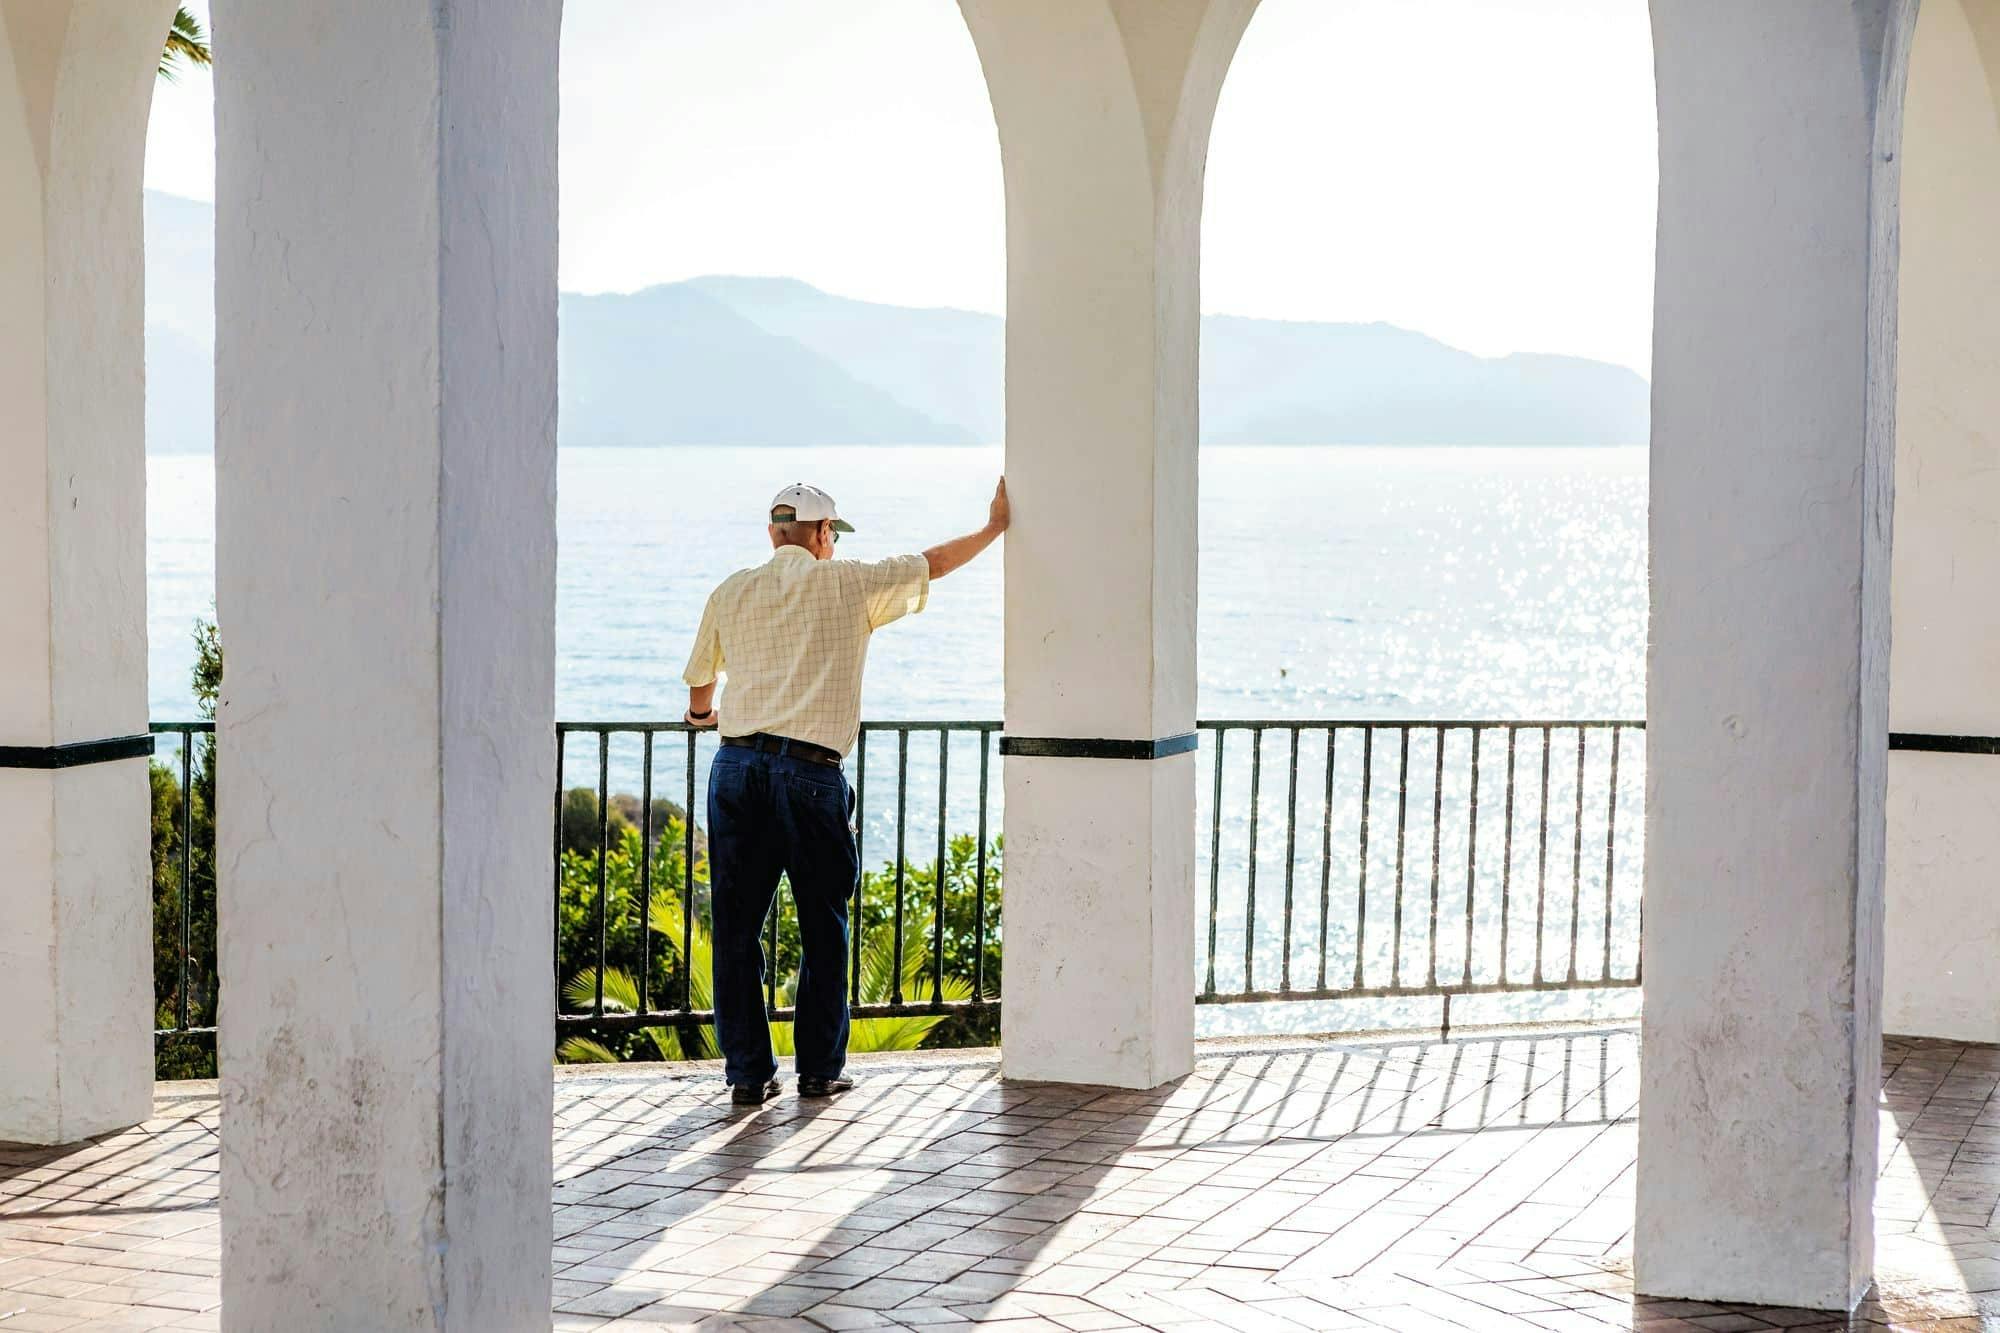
[{"x": 675, "y": 937}]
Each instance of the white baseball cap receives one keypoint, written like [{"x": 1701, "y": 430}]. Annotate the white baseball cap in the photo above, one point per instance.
[{"x": 809, "y": 504}]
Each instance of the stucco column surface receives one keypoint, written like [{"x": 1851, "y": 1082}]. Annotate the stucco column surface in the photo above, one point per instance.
[
  {"x": 386, "y": 301},
  {"x": 1943, "y": 924},
  {"x": 76, "y": 84},
  {"x": 1103, "y": 109},
  {"x": 1767, "y": 696}
]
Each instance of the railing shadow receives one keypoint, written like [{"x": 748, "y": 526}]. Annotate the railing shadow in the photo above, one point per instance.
[
  {"x": 939, "y": 1185},
  {"x": 164, "y": 1166}
]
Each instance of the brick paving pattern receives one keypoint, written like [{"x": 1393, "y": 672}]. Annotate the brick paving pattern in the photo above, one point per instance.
[{"x": 1484, "y": 1183}]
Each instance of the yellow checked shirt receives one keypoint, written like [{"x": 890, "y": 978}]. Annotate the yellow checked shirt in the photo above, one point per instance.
[{"x": 791, "y": 636}]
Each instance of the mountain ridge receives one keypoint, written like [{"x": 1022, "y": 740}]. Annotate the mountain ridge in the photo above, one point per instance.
[{"x": 744, "y": 360}]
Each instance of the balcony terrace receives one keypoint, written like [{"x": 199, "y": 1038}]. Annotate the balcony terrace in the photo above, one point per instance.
[
  {"x": 380, "y": 990},
  {"x": 1483, "y": 1183}
]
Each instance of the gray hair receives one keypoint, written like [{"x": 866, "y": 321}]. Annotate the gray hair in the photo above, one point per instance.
[{"x": 793, "y": 531}]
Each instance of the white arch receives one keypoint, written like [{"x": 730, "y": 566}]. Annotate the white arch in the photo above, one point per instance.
[
  {"x": 1943, "y": 930},
  {"x": 76, "y": 82}
]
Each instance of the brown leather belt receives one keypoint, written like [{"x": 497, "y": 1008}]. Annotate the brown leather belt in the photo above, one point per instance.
[{"x": 767, "y": 744}]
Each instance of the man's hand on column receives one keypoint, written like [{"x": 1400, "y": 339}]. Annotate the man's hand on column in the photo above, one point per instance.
[{"x": 947, "y": 556}]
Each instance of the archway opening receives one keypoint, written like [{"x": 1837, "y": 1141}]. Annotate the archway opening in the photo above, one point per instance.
[
  {"x": 796, "y": 272},
  {"x": 1427, "y": 258}
]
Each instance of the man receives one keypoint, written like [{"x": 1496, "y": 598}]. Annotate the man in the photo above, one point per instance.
[{"x": 792, "y": 635}]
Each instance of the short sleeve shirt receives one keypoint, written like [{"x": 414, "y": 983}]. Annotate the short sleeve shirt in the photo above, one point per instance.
[{"x": 790, "y": 637}]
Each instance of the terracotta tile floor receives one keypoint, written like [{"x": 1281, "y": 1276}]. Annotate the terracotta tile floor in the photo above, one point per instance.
[{"x": 1484, "y": 1183}]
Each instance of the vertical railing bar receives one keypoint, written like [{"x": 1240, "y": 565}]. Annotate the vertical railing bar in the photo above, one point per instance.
[
  {"x": 1250, "y": 893},
  {"x": 687, "y": 886},
  {"x": 556, "y": 837},
  {"x": 1471, "y": 856},
  {"x": 1325, "y": 856},
  {"x": 937, "y": 920},
  {"x": 1402, "y": 828},
  {"x": 1542, "y": 860},
  {"x": 603, "y": 857},
  {"x": 1507, "y": 856},
  {"x": 187, "y": 876},
  {"x": 979, "y": 902},
  {"x": 1291, "y": 855},
  {"x": 1576, "y": 856},
  {"x": 1437, "y": 848},
  {"x": 1361, "y": 889},
  {"x": 646, "y": 877},
  {"x": 857, "y": 919},
  {"x": 1610, "y": 846},
  {"x": 1215, "y": 857},
  {"x": 902, "y": 820}
]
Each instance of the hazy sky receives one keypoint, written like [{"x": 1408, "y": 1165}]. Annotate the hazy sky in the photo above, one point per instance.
[{"x": 1482, "y": 170}]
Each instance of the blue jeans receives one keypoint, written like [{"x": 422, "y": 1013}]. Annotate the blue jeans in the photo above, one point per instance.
[{"x": 770, "y": 814}]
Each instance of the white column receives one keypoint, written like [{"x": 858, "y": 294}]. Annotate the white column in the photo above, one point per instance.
[
  {"x": 386, "y": 300},
  {"x": 76, "y": 84},
  {"x": 1767, "y": 696},
  {"x": 1103, "y": 108},
  {"x": 1943, "y": 927}
]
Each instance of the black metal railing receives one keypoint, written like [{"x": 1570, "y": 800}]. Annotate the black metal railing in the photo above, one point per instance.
[
  {"x": 953, "y": 919},
  {"x": 1433, "y": 858},
  {"x": 1336, "y": 860},
  {"x": 185, "y": 983}
]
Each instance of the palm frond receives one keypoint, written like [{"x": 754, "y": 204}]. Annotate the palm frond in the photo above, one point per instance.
[
  {"x": 585, "y": 1051},
  {"x": 664, "y": 915},
  {"x": 621, "y": 992},
  {"x": 891, "y": 1034},
  {"x": 691, "y": 1043},
  {"x": 185, "y": 41}
]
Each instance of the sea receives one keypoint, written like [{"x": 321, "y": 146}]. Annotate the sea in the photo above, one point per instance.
[{"x": 1336, "y": 584}]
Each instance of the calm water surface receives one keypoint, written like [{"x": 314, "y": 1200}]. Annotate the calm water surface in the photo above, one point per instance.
[{"x": 1349, "y": 582}]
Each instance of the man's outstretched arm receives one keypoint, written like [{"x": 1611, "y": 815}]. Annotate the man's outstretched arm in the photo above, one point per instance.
[{"x": 947, "y": 556}]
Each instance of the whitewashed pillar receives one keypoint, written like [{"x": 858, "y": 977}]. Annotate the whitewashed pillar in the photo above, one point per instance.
[
  {"x": 76, "y": 84},
  {"x": 386, "y": 302},
  {"x": 1103, "y": 108},
  {"x": 1943, "y": 927},
  {"x": 1767, "y": 696}
]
